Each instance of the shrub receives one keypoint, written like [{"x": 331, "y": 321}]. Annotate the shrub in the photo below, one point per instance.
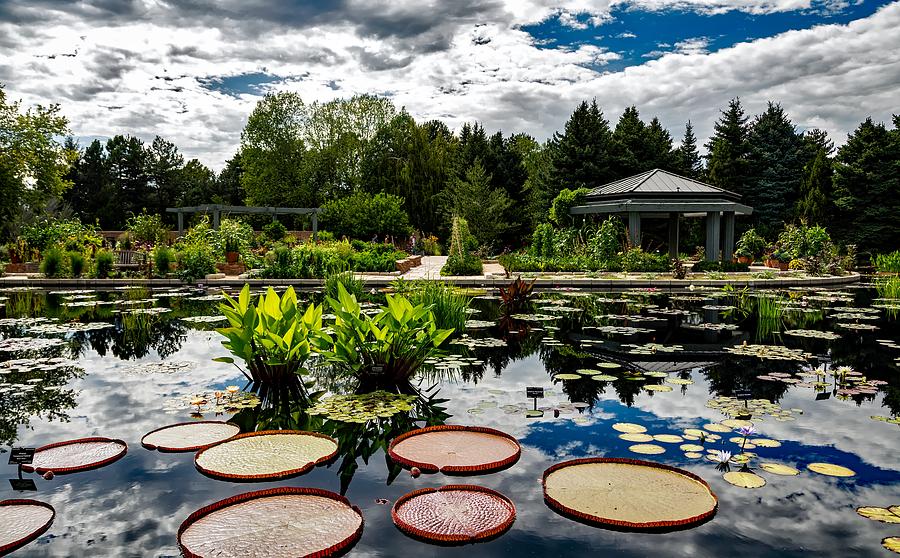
[
  {"x": 274, "y": 231},
  {"x": 76, "y": 263},
  {"x": 430, "y": 246},
  {"x": 751, "y": 245},
  {"x": 704, "y": 266},
  {"x": 104, "y": 264},
  {"x": 635, "y": 259},
  {"x": 162, "y": 260},
  {"x": 461, "y": 260},
  {"x": 66, "y": 232},
  {"x": 147, "y": 228},
  {"x": 563, "y": 202},
  {"x": 607, "y": 240},
  {"x": 196, "y": 262},
  {"x": 363, "y": 216},
  {"x": 542, "y": 245},
  {"x": 235, "y": 236},
  {"x": 54, "y": 263}
]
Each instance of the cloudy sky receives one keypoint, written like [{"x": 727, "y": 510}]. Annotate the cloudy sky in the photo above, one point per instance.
[{"x": 192, "y": 70}]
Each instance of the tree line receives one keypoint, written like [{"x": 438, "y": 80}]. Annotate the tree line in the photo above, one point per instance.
[{"x": 301, "y": 154}]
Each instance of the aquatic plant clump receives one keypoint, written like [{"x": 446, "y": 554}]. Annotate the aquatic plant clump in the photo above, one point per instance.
[
  {"x": 364, "y": 407},
  {"x": 278, "y": 523},
  {"x": 769, "y": 352},
  {"x": 454, "y": 514},
  {"x": 628, "y": 493}
]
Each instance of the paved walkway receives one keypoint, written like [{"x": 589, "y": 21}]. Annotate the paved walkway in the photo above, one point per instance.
[{"x": 430, "y": 268}]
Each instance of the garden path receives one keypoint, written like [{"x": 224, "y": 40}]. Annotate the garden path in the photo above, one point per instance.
[{"x": 430, "y": 268}]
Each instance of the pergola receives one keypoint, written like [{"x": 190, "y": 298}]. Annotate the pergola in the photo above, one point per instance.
[
  {"x": 217, "y": 210},
  {"x": 662, "y": 194}
]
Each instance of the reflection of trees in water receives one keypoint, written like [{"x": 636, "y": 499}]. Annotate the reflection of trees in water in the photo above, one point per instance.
[
  {"x": 733, "y": 373},
  {"x": 18, "y": 407},
  {"x": 133, "y": 337},
  {"x": 355, "y": 441},
  {"x": 566, "y": 359}
]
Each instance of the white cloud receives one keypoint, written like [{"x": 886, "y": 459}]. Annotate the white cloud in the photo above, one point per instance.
[{"x": 141, "y": 71}]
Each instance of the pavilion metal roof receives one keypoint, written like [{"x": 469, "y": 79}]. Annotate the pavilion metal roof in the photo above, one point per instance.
[{"x": 659, "y": 183}]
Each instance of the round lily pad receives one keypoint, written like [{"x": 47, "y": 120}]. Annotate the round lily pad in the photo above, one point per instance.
[
  {"x": 277, "y": 523},
  {"x": 716, "y": 427},
  {"x": 884, "y": 515},
  {"x": 668, "y": 438},
  {"x": 690, "y": 447},
  {"x": 568, "y": 376},
  {"x": 657, "y": 387},
  {"x": 892, "y": 544},
  {"x": 647, "y": 449},
  {"x": 831, "y": 470},
  {"x": 765, "y": 443},
  {"x": 455, "y": 449},
  {"x": 629, "y": 428},
  {"x": 779, "y": 469},
  {"x": 454, "y": 514},
  {"x": 744, "y": 480},
  {"x": 189, "y": 436},
  {"x": 72, "y": 456},
  {"x": 604, "y": 378},
  {"x": 628, "y": 493},
  {"x": 265, "y": 455},
  {"x": 636, "y": 437},
  {"x": 22, "y": 521}
]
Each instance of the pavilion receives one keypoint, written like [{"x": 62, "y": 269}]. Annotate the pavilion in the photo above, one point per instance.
[
  {"x": 218, "y": 209},
  {"x": 661, "y": 194}
]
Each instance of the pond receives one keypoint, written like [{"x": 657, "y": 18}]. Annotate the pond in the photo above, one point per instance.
[{"x": 121, "y": 363}]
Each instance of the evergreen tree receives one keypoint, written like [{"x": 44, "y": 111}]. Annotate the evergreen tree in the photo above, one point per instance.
[
  {"x": 727, "y": 164},
  {"x": 228, "y": 183},
  {"x": 629, "y": 145},
  {"x": 776, "y": 159},
  {"x": 91, "y": 190},
  {"x": 815, "y": 191},
  {"x": 486, "y": 209},
  {"x": 658, "y": 152},
  {"x": 164, "y": 166},
  {"x": 867, "y": 188},
  {"x": 687, "y": 158},
  {"x": 580, "y": 156},
  {"x": 131, "y": 191},
  {"x": 200, "y": 185}
]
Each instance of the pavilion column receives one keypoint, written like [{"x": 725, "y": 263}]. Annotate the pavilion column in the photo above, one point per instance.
[
  {"x": 315, "y": 226},
  {"x": 728, "y": 246},
  {"x": 673, "y": 234},
  {"x": 216, "y": 217},
  {"x": 180, "y": 223},
  {"x": 634, "y": 228},
  {"x": 712, "y": 235}
]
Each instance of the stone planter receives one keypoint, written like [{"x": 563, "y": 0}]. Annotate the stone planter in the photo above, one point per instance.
[
  {"x": 232, "y": 257},
  {"x": 783, "y": 266}
]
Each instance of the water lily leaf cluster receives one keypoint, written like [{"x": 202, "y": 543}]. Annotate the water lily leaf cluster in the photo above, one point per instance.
[{"x": 363, "y": 407}]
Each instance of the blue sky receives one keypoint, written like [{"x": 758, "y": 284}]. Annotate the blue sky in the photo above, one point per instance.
[{"x": 191, "y": 71}]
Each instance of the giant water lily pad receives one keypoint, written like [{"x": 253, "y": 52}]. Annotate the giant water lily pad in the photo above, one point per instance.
[
  {"x": 628, "y": 493},
  {"x": 278, "y": 523},
  {"x": 72, "y": 456},
  {"x": 454, "y": 514},
  {"x": 265, "y": 455},
  {"x": 189, "y": 436},
  {"x": 22, "y": 521},
  {"x": 455, "y": 449}
]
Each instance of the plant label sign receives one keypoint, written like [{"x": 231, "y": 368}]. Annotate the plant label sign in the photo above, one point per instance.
[
  {"x": 743, "y": 394},
  {"x": 23, "y": 485},
  {"x": 535, "y": 392},
  {"x": 21, "y": 456}
]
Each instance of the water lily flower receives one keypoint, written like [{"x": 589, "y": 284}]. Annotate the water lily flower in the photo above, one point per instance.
[
  {"x": 747, "y": 431},
  {"x": 723, "y": 456}
]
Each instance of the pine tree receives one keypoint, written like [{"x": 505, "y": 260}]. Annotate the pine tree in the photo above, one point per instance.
[
  {"x": 867, "y": 188},
  {"x": 658, "y": 148},
  {"x": 776, "y": 159},
  {"x": 629, "y": 145},
  {"x": 687, "y": 159},
  {"x": 580, "y": 156},
  {"x": 815, "y": 191},
  {"x": 727, "y": 165},
  {"x": 486, "y": 209}
]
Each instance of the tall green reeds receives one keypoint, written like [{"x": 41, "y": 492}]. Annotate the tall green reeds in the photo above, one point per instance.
[{"x": 449, "y": 305}]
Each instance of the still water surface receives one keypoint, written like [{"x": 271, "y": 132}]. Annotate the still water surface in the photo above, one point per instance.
[{"x": 134, "y": 506}]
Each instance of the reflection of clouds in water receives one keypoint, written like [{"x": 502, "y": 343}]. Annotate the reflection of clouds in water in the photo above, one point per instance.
[{"x": 134, "y": 507}]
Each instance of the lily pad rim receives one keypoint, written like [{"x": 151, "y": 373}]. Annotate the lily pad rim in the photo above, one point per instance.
[
  {"x": 628, "y": 525},
  {"x": 489, "y": 467},
  {"x": 166, "y": 449},
  {"x": 17, "y": 544},
  {"x": 280, "y": 491},
  {"x": 79, "y": 468},
  {"x": 265, "y": 477},
  {"x": 453, "y": 539}
]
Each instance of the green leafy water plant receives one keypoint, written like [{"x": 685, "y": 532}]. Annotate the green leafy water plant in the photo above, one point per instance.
[
  {"x": 274, "y": 338},
  {"x": 384, "y": 351},
  {"x": 448, "y": 304}
]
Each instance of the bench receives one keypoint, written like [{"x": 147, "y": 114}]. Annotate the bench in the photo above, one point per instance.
[
  {"x": 406, "y": 264},
  {"x": 129, "y": 259}
]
